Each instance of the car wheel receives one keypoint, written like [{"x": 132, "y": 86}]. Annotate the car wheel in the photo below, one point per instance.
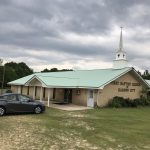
[
  {"x": 2, "y": 111},
  {"x": 37, "y": 110}
]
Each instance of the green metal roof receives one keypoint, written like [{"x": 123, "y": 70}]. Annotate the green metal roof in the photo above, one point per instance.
[
  {"x": 96, "y": 78},
  {"x": 21, "y": 81}
]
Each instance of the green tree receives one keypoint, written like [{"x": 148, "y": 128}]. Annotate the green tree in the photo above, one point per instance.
[
  {"x": 13, "y": 71},
  {"x": 45, "y": 70},
  {"x": 55, "y": 70},
  {"x": 146, "y": 75},
  {"x": 1, "y": 75},
  {"x": 10, "y": 75},
  {"x": 21, "y": 69}
]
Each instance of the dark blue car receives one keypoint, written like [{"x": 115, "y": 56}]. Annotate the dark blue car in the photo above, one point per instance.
[{"x": 18, "y": 103}]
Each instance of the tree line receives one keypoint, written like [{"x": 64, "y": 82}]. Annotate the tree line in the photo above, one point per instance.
[
  {"x": 13, "y": 71},
  {"x": 55, "y": 70},
  {"x": 146, "y": 75}
]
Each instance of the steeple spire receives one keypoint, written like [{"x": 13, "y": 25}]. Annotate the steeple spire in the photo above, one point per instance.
[
  {"x": 121, "y": 41},
  {"x": 121, "y": 60}
]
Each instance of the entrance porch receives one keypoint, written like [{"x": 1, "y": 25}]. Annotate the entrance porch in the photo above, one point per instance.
[{"x": 49, "y": 95}]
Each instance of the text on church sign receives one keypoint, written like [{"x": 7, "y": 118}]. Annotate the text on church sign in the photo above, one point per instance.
[{"x": 127, "y": 86}]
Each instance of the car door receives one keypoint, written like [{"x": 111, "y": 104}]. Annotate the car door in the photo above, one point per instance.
[
  {"x": 27, "y": 105},
  {"x": 13, "y": 105}
]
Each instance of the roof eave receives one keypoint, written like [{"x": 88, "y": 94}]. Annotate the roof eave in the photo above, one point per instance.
[
  {"x": 102, "y": 86},
  {"x": 73, "y": 87},
  {"x": 14, "y": 83}
]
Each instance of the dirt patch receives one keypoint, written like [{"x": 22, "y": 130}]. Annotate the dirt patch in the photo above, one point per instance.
[{"x": 25, "y": 132}]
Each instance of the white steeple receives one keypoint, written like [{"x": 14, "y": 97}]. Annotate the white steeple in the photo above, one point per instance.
[
  {"x": 120, "y": 61},
  {"x": 121, "y": 41}
]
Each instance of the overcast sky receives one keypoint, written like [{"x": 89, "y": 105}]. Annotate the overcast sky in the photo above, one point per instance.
[{"x": 80, "y": 34}]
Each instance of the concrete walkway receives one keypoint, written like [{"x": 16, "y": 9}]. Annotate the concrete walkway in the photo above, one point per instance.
[{"x": 69, "y": 107}]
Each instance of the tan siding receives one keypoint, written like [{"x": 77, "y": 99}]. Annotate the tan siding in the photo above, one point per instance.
[
  {"x": 80, "y": 99},
  {"x": 24, "y": 90},
  {"x": 59, "y": 94},
  {"x": 111, "y": 90},
  {"x": 35, "y": 82},
  {"x": 46, "y": 94},
  {"x": 38, "y": 92},
  {"x": 14, "y": 88},
  {"x": 31, "y": 89}
]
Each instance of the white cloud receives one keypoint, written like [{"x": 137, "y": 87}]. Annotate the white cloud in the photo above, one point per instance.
[{"x": 82, "y": 34}]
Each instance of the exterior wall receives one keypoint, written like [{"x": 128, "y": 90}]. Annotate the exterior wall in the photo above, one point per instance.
[
  {"x": 96, "y": 96},
  {"x": 38, "y": 92},
  {"x": 24, "y": 90},
  {"x": 59, "y": 95},
  {"x": 79, "y": 99},
  {"x": 127, "y": 86},
  {"x": 35, "y": 82},
  {"x": 14, "y": 88},
  {"x": 47, "y": 90},
  {"x": 31, "y": 90}
]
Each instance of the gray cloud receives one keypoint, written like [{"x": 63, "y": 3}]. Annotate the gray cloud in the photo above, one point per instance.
[{"x": 35, "y": 26}]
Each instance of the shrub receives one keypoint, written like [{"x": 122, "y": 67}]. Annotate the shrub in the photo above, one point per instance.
[{"x": 118, "y": 102}]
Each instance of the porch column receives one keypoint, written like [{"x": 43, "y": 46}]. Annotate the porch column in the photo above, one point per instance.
[
  {"x": 19, "y": 89},
  {"x": 34, "y": 92},
  {"x": 41, "y": 94},
  {"x": 49, "y": 95}
]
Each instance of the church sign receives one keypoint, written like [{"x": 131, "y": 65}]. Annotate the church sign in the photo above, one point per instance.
[{"x": 127, "y": 86}]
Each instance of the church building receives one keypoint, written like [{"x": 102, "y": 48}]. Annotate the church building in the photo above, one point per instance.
[{"x": 85, "y": 87}]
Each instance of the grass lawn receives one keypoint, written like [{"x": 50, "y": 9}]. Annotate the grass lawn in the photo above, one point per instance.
[{"x": 110, "y": 129}]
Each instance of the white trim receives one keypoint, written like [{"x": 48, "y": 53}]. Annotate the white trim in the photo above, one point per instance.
[
  {"x": 33, "y": 94},
  {"x": 102, "y": 86},
  {"x": 74, "y": 87},
  {"x": 41, "y": 94},
  {"x": 35, "y": 77},
  {"x": 49, "y": 95}
]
